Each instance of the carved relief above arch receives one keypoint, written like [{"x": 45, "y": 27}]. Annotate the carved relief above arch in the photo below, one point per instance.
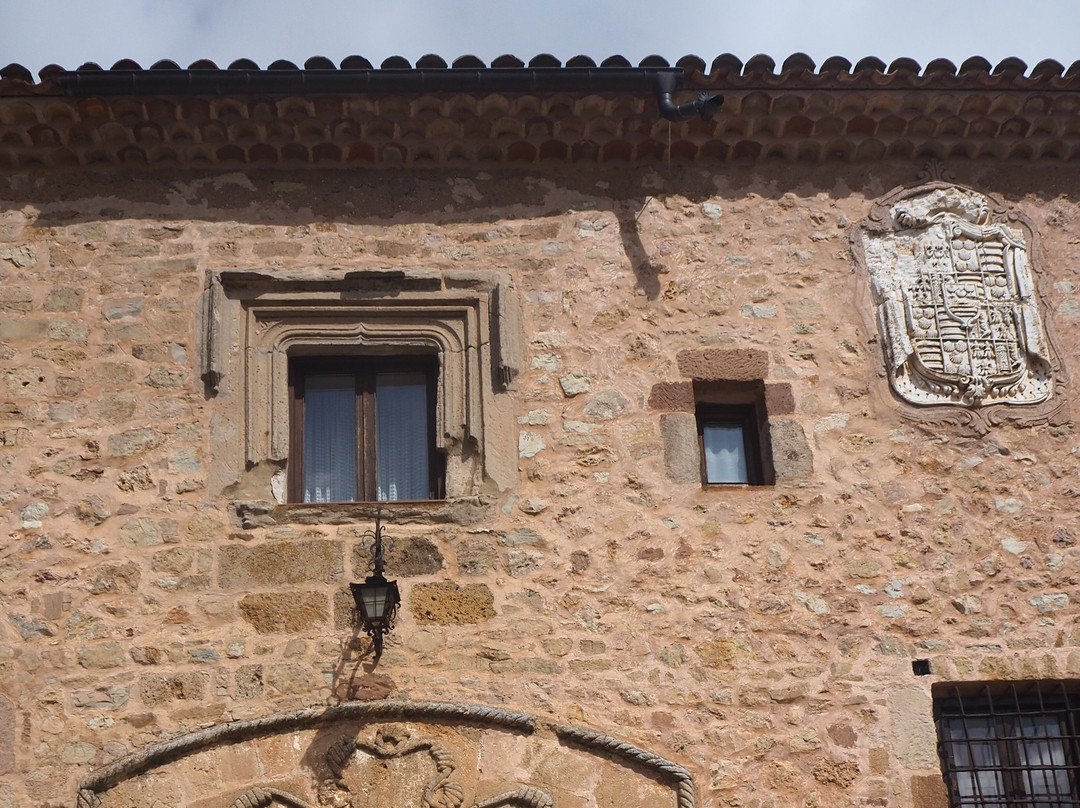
[
  {"x": 427, "y": 754},
  {"x": 950, "y": 282}
]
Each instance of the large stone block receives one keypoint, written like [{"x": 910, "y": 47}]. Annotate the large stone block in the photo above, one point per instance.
[
  {"x": 721, "y": 653},
  {"x": 779, "y": 399},
  {"x": 449, "y": 604},
  {"x": 715, "y": 364},
  {"x": 291, "y": 678},
  {"x": 16, "y": 298},
  {"x": 64, "y": 298},
  {"x": 280, "y": 563},
  {"x": 682, "y": 455},
  {"x": 606, "y": 405},
  {"x": 103, "y": 655},
  {"x": 914, "y": 738},
  {"x": 116, "y": 579},
  {"x": 292, "y": 612},
  {"x": 791, "y": 453},
  {"x": 672, "y": 396},
  {"x": 163, "y": 688},
  {"x": 928, "y": 791},
  {"x": 413, "y": 555},
  {"x": 134, "y": 442},
  {"x": 476, "y": 556},
  {"x": 22, "y": 329}
]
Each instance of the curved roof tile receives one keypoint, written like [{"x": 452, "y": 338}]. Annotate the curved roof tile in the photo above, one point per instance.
[
  {"x": 798, "y": 61},
  {"x": 836, "y": 64},
  {"x": 727, "y": 64},
  {"x": 832, "y": 112}
]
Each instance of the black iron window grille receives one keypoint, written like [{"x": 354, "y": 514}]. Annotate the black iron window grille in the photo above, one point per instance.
[{"x": 1012, "y": 745}]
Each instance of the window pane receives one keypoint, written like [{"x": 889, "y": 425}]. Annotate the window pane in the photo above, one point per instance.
[
  {"x": 401, "y": 424},
  {"x": 1042, "y": 752},
  {"x": 329, "y": 439},
  {"x": 973, "y": 747},
  {"x": 725, "y": 453}
]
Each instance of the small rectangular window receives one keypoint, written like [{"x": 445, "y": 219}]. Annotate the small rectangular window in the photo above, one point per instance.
[
  {"x": 363, "y": 430},
  {"x": 730, "y": 453},
  {"x": 1009, "y": 745}
]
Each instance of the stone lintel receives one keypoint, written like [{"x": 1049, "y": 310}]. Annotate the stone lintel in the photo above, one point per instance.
[{"x": 715, "y": 364}]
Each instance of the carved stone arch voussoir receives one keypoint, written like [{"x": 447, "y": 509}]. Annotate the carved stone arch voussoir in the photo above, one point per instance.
[
  {"x": 266, "y": 797},
  {"x": 448, "y": 736}
]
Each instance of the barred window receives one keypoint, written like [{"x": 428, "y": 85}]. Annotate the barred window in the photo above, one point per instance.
[{"x": 1012, "y": 745}]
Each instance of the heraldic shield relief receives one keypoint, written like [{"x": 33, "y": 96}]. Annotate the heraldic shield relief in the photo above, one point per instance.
[{"x": 955, "y": 301}]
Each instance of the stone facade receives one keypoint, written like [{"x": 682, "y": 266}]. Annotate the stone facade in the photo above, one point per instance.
[{"x": 759, "y": 639}]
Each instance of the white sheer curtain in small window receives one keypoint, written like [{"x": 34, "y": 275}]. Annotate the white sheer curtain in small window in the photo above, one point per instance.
[
  {"x": 401, "y": 423},
  {"x": 329, "y": 439},
  {"x": 725, "y": 453}
]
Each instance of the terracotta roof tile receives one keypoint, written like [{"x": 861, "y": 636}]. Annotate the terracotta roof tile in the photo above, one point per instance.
[{"x": 835, "y": 111}]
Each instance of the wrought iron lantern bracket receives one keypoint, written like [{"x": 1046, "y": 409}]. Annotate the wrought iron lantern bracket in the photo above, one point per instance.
[{"x": 377, "y": 599}]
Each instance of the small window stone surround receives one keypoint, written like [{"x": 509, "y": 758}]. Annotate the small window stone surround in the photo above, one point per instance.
[
  {"x": 708, "y": 370},
  {"x": 254, "y": 320}
]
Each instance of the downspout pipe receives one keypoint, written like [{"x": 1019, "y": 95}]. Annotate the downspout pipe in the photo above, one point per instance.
[
  {"x": 704, "y": 107},
  {"x": 663, "y": 82}
]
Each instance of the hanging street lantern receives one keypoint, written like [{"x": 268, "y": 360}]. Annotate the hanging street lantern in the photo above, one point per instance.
[{"x": 377, "y": 599}]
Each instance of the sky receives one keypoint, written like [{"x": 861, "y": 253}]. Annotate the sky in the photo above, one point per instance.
[{"x": 70, "y": 32}]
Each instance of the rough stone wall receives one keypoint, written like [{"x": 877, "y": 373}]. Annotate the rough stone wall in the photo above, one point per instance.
[{"x": 761, "y": 637}]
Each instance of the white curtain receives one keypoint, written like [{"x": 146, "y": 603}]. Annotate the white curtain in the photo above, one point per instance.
[
  {"x": 977, "y": 760},
  {"x": 329, "y": 439},
  {"x": 1042, "y": 752},
  {"x": 401, "y": 423},
  {"x": 725, "y": 453},
  {"x": 975, "y": 745}
]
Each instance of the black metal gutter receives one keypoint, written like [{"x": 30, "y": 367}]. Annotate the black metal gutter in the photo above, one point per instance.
[{"x": 662, "y": 82}]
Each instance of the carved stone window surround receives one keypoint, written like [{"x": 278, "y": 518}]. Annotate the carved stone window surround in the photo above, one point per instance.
[
  {"x": 729, "y": 376},
  {"x": 255, "y": 320}
]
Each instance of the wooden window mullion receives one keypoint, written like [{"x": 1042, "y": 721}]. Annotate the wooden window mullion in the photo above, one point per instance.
[{"x": 365, "y": 443}]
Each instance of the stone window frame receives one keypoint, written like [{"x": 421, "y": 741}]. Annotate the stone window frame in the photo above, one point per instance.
[
  {"x": 254, "y": 320},
  {"x": 736, "y": 376}
]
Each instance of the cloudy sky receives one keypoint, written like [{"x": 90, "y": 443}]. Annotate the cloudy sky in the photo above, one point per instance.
[{"x": 36, "y": 33}]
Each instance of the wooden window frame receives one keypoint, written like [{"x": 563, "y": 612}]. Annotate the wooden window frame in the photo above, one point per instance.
[
  {"x": 363, "y": 369},
  {"x": 745, "y": 417},
  {"x": 729, "y": 401}
]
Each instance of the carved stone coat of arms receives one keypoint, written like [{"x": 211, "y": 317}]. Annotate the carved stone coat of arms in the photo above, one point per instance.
[{"x": 955, "y": 300}]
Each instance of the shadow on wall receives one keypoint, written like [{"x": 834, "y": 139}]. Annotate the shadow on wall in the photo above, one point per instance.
[{"x": 646, "y": 270}]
